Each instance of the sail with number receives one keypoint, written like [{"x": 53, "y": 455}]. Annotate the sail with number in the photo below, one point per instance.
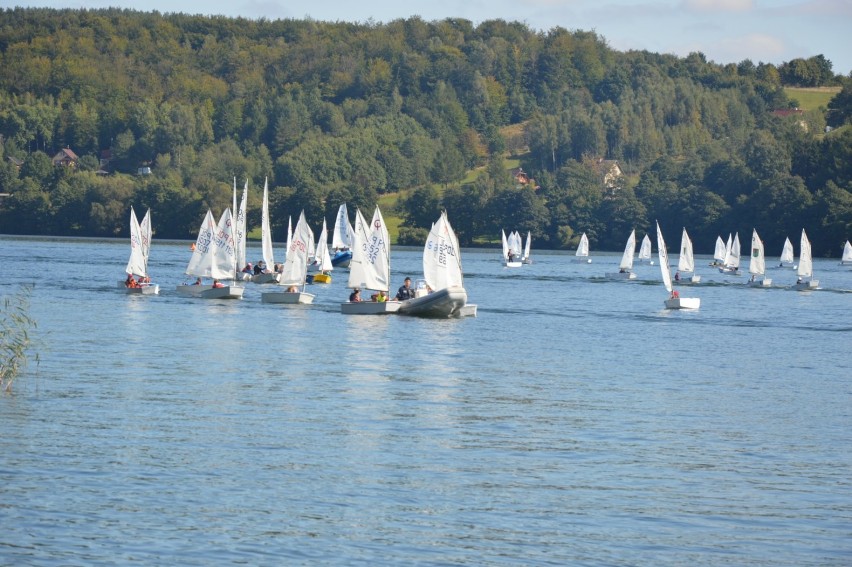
[
  {"x": 296, "y": 265},
  {"x": 240, "y": 226},
  {"x": 370, "y": 267},
  {"x": 224, "y": 257},
  {"x": 201, "y": 260},
  {"x": 441, "y": 258}
]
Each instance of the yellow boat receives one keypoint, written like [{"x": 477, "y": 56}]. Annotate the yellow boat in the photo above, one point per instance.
[{"x": 322, "y": 278}]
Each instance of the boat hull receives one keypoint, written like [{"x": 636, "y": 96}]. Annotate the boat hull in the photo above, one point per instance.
[
  {"x": 765, "y": 282},
  {"x": 513, "y": 264},
  {"x": 442, "y": 303},
  {"x": 320, "y": 278},
  {"x": 683, "y": 303},
  {"x": 621, "y": 276},
  {"x": 730, "y": 271},
  {"x": 693, "y": 279},
  {"x": 467, "y": 310},
  {"x": 369, "y": 307},
  {"x": 192, "y": 290},
  {"x": 144, "y": 289},
  {"x": 287, "y": 297},
  {"x": 807, "y": 285},
  {"x": 226, "y": 292},
  {"x": 265, "y": 278},
  {"x": 583, "y": 260},
  {"x": 341, "y": 259}
]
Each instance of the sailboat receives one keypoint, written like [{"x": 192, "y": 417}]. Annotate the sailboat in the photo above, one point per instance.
[
  {"x": 370, "y": 265},
  {"x": 675, "y": 301},
  {"x": 214, "y": 257},
  {"x": 645, "y": 250},
  {"x": 442, "y": 294},
  {"x": 719, "y": 253},
  {"x": 846, "y": 260},
  {"x": 341, "y": 239},
  {"x": 686, "y": 261},
  {"x": 757, "y": 263},
  {"x": 268, "y": 275},
  {"x": 137, "y": 265},
  {"x": 322, "y": 261},
  {"x": 240, "y": 229},
  {"x": 510, "y": 258},
  {"x": 526, "y": 257},
  {"x": 295, "y": 270},
  {"x": 731, "y": 265},
  {"x": 582, "y": 254},
  {"x": 805, "y": 271},
  {"x": 787, "y": 258},
  {"x": 625, "y": 271}
]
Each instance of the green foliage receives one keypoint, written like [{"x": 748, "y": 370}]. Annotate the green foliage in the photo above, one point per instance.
[{"x": 16, "y": 326}]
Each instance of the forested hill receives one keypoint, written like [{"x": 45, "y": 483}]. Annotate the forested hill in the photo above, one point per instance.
[{"x": 165, "y": 110}]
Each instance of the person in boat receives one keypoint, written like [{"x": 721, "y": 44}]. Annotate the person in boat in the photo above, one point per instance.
[
  {"x": 217, "y": 283},
  {"x": 622, "y": 271},
  {"x": 258, "y": 267},
  {"x": 248, "y": 268},
  {"x": 380, "y": 297},
  {"x": 510, "y": 257},
  {"x": 197, "y": 281},
  {"x": 677, "y": 276},
  {"x": 130, "y": 282},
  {"x": 355, "y": 296},
  {"x": 675, "y": 294},
  {"x": 292, "y": 289},
  {"x": 405, "y": 291},
  {"x": 143, "y": 280}
]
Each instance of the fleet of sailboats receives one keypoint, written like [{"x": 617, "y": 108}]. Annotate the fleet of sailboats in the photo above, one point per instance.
[{"x": 757, "y": 263}]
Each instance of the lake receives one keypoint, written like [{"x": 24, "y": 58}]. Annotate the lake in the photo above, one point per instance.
[{"x": 573, "y": 421}]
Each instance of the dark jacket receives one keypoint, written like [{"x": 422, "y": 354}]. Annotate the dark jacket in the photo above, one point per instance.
[{"x": 405, "y": 293}]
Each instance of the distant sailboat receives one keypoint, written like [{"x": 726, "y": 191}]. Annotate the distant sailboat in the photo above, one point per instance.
[
  {"x": 686, "y": 261},
  {"x": 625, "y": 271},
  {"x": 805, "y": 271},
  {"x": 719, "y": 253},
  {"x": 645, "y": 251},
  {"x": 322, "y": 261},
  {"x": 847, "y": 255},
  {"x": 582, "y": 254},
  {"x": 341, "y": 239},
  {"x": 268, "y": 275},
  {"x": 757, "y": 263},
  {"x": 675, "y": 301},
  {"x": 511, "y": 259},
  {"x": 137, "y": 265},
  {"x": 294, "y": 273},
  {"x": 526, "y": 257},
  {"x": 731, "y": 265},
  {"x": 787, "y": 259}
]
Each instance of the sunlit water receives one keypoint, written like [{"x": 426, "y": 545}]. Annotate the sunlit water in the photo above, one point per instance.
[{"x": 574, "y": 421}]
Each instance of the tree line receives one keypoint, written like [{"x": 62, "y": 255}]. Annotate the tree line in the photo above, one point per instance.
[{"x": 343, "y": 112}]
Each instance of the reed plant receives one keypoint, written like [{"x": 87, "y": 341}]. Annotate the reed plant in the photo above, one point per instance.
[{"x": 16, "y": 326}]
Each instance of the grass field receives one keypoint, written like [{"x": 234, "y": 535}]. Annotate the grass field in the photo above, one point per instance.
[{"x": 812, "y": 98}]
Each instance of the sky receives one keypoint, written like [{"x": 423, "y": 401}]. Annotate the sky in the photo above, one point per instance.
[{"x": 725, "y": 31}]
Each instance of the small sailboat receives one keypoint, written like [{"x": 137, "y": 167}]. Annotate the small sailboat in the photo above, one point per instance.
[
  {"x": 137, "y": 265},
  {"x": 526, "y": 257},
  {"x": 686, "y": 262},
  {"x": 442, "y": 293},
  {"x": 805, "y": 271},
  {"x": 625, "y": 271},
  {"x": 268, "y": 275},
  {"x": 341, "y": 239},
  {"x": 511, "y": 258},
  {"x": 370, "y": 265},
  {"x": 757, "y": 263},
  {"x": 582, "y": 253},
  {"x": 322, "y": 263},
  {"x": 846, "y": 260},
  {"x": 731, "y": 264},
  {"x": 675, "y": 301},
  {"x": 787, "y": 259},
  {"x": 719, "y": 252},
  {"x": 294, "y": 273},
  {"x": 214, "y": 257},
  {"x": 645, "y": 250},
  {"x": 240, "y": 229}
]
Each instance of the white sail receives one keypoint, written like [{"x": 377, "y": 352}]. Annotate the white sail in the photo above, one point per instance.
[
  {"x": 732, "y": 255},
  {"x": 136, "y": 263},
  {"x": 240, "y": 227},
  {"x": 515, "y": 244},
  {"x": 342, "y": 237},
  {"x": 201, "y": 260},
  {"x": 645, "y": 249},
  {"x": 441, "y": 257},
  {"x": 296, "y": 265},
  {"x": 847, "y": 254},
  {"x": 728, "y": 248},
  {"x": 583, "y": 247},
  {"x": 370, "y": 267},
  {"x": 686, "y": 261},
  {"x": 322, "y": 253},
  {"x": 224, "y": 257},
  {"x": 757, "y": 260},
  {"x": 266, "y": 231},
  {"x": 719, "y": 253},
  {"x": 787, "y": 256},
  {"x": 664, "y": 260},
  {"x": 505, "y": 245},
  {"x": 289, "y": 231},
  {"x": 806, "y": 267},
  {"x": 527, "y": 246},
  {"x": 629, "y": 250}
]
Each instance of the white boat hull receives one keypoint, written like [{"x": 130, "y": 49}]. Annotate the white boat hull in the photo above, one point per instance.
[
  {"x": 683, "y": 303},
  {"x": 804, "y": 286},
  {"x": 583, "y": 260},
  {"x": 226, "y": 292},
  {"x": 144, "y": 289},
  {"x": 442, "y": 303},
  {"x": 621, "y": 276},
  {"x": 513, "y": 264},
  {"x": 288, "y": 297},
  {"x": 265, "y": 278},
  {"x": 467, "y": 310},
  {"x": 192, "y": 290},
  {"x": 369, "y": 307},
  {"x": 765, "y": 282},
  {"x": 730, "y": 271}
]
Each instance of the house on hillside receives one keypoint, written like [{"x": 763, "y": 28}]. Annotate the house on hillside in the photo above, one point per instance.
[
  {"x": 65, "y": 158},
  {"x": 522, "y": 178},
  {"x": 787, "y": 112},
  {"x": 610, "y": 173}
]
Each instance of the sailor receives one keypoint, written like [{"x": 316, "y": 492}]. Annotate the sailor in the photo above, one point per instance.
[{"x": 405, "y": 291}]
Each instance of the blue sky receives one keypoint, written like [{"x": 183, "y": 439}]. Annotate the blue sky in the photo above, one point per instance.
[{"x": 725, "y": 31}]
